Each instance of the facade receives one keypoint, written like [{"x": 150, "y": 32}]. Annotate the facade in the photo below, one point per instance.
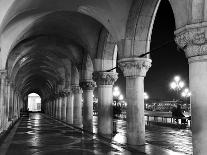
[{"x": 62, "y": 50}]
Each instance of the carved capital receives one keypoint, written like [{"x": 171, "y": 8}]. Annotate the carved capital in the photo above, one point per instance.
[
  {"x": 88, "y": 85},
  {"x": 133, "y": 67},
  {"x": 105, "y": 78},
  {"x": 66, "y": 92},
  {"x": 192, "y": 39},
  {"x": 76, "y": 89},
  {"x": 3, "y": 74}
]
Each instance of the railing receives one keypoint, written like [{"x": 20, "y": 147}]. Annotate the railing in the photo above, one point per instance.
[{"x": 159, "y": 118}]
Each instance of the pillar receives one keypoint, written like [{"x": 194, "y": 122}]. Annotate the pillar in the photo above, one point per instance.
[
  {"x": 77, "y": 106},
  {"x": 69, "y": 108},
  {"x": 88, "y": 87},
  {"x": 134, "y": 70},
  {"x": 192, "y": 40},
  {"x": 11, "y": 103},
  {"x": 2, "y": 99},
  {"x": 53, "y": 108},
  {"x": 56, "y": 107},
  {"x": 105, "y": 81},
  {"x": 59, "y": 106},
  {"x": 64, "y": 103}
]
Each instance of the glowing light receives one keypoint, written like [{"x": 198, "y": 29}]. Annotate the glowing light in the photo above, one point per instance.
[
  {"x": 121, "y": 97},
  {"x": 177, "y": 78},
  {"x": 146, "y": 96}
]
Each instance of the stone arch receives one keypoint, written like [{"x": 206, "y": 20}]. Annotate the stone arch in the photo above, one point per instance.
[
  {"x": 106, "y": 55},
  {"x": 87, "y": 68},
  {"x": 140, "y": 23}
]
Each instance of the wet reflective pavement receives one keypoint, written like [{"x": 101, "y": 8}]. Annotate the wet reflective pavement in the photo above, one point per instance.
[
  {"x": 172, "y": 139},
  {"x": 41, "y": 135}
]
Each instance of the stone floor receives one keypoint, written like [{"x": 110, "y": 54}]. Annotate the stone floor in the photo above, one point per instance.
[
  {"x": 41, "y": 135},
  {"x": 175, "y": 139}
]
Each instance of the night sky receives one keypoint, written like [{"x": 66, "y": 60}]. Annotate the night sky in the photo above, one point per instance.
[{"x": 167, "y": 61}]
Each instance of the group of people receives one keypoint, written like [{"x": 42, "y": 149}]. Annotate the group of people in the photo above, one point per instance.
[{"x": 178, "y": 114}]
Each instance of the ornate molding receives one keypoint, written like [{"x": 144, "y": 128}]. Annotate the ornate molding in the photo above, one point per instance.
[
  {"x": 76, "y": 89},
  {"x": 105, "y": 78},
  {"x": 87, "y": 85},
  {"x": 192, "y": 40},
  {"x": 133, "y": 67}
]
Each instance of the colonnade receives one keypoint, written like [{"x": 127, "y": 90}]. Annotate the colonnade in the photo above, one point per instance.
[{"x": 10, "y": 102}]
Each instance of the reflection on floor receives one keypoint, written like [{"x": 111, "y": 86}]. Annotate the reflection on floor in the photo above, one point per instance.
[{"x": 41, "y": 135}]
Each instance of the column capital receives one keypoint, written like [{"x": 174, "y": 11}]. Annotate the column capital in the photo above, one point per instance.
[
  {"x": 88, "y": 85},
  {"x": 76, "y": 89},
  {"x": 192, "y": 39},
  {"x": 105, "y": 78},
  {"x": 3, "y": 73},
  {"x": 133, "y": 67}
]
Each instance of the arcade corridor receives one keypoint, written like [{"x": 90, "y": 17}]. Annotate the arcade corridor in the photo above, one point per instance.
[{"x": 67, "y": 51}]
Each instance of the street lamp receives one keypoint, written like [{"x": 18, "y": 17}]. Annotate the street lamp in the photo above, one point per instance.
[
  {"x": 177, "y": 84},
  {"x": 186, "y": 93},
  {"x": 121, "y": 97},
  {"x": 116, "y": 92},
  {"x": 146, "y": 96}
]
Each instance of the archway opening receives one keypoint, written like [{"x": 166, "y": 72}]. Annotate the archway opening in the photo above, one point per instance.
[
  {"x": 168, "y": 62},
  {"x": 34, "y": 102}
]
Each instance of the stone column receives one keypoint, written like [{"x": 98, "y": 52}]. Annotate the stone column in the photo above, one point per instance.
[
  {"x": 53, "y": 109},
  {"x": 56, "y": 106},
  {"x": 64, "y": 103},
  {"x": 193, "y": 41},
  {"x": 77, "y": 106},
  {"x": 105, "y": 81},
  {"x": 6, "y": 104},
  {"x": 11, "y": 103},
  {"x": 2, "y": 99},
  {"x": 59, "y": 106},
  {"x": 15, "y": 104},
  {"x": 69, "y": 108},
  {"x": 88, "y": 87},
  {"x": 134, "y": 70}
]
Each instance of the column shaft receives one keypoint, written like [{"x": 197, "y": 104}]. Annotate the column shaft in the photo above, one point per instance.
[
  {"x": 198, "y": 83},
  {"x": 105, "y": 115},
  {"x": 135, "y": 111},
  {"x": 64, "y": 103},
  {"x": 77, "y": 112},
  {"x": 69, "y": 109},
  {"x": 88, "y": 110}
]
